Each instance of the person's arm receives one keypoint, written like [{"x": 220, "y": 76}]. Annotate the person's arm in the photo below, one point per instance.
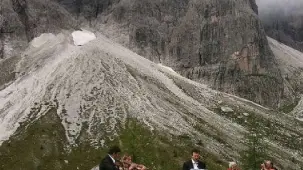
[
  {"x": 100, "y": 166},
  {"x": 141, "y": 167},
  {"x": 132, "y": 166},
  {"x": 106, "y": 166},
  {"x": 185, "y": 167},
  {"x": 263, "y": 167}
]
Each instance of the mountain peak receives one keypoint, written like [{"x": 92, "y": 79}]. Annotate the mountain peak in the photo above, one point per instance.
[{"x": 151, "y": 76}]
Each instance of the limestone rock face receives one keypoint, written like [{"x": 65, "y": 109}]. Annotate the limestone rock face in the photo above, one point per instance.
[
  {"x": 218, "y": 42},
  {"x": 23, "y": 20},
  {"x": 82, "y": 97},
  {"x": 67, "y": 99},
  {"x": 20, "y": 22},
  {"x": 221, "y": 42}
]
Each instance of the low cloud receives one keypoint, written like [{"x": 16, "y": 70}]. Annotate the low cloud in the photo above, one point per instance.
[{"x": 280, "y": 6}]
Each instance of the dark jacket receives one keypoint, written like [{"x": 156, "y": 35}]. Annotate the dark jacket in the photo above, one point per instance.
[
  {"x": 107, "y": 164},
  {"x": 189, "y": 165}
]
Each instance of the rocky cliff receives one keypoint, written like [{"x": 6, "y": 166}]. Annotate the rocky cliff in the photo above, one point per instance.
[
  {"x": 62, "y": 105},
  {"x": 69, "y": 103},
  {"x": 218, "y": 42},
  {"x": 221, "y": 43},
  {"x": 20, "y": 22}
]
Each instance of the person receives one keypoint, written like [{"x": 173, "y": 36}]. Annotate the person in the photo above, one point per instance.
[
  {"x": 233, "y": 166},
  {"x": 109, "y": 162},
  {"x": 194, "y": 162},
  {"x": 129, "y": 165},
  {"x": 268, "y": 165},
  {"x": 119, "y": 164}
]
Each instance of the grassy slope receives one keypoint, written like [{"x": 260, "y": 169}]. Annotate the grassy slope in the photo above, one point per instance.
[
  {"x": 269, "y": 129},
  {"x": 42, "y": 146}
]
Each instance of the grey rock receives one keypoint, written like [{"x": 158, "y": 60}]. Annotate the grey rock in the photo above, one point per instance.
[
  {"x": 20, "y": 22},
  {"x": 219, "y": 42},
  {"x": 107, "y": 84},
  {"x": 246, "y": 114},
  {"x": 226, "y": 109}
]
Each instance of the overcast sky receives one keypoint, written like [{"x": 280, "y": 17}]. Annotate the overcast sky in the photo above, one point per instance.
[{"x": 288, "y": 6}]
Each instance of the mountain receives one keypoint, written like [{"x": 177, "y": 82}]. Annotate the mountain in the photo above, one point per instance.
[
  {"x": 291, "y": 62},
  {"x": 20, "y": 22},
  {"x": 150, "y": 76},
  {"x": 283, "y": 21},
  {"x": 220, "y": 43},
  {"x": 67, "y": 99}
]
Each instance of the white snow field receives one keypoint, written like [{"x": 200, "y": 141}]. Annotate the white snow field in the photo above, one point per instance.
[{"x": 83, "y": 37}]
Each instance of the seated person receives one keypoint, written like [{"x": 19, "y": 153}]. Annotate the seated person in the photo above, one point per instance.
[
  {"x": 233, "y": 166},
  {"x": 129, "y": 165},
  {"x": 194, "y": 162},
  {"x": 268, "y": 165}
]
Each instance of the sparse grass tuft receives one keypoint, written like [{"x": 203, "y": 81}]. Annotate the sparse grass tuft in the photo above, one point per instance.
[{"x": 43, "y": 146}]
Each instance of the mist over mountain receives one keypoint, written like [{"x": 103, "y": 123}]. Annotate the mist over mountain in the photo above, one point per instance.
[
  {"x": 285, "y": 5},
  {"x": 283, "y": 21}
]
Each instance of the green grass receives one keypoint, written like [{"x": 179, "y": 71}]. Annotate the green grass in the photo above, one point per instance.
[
  {"x": 289, "y": 107},
  {"x": 266, "y": 127},
  {"x": 43, "y": 146}
]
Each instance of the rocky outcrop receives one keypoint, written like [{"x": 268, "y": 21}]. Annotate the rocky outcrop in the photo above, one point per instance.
[
  {"x": 219, "y": 42},
  {"x": 290, "y": 62},
  {"x": 20, "y": 22},
  {"x": 69, "y": 99},
  {"x": 254, "y": 6}
]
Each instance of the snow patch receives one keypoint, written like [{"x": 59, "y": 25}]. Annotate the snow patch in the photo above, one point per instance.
[{"x": 83, "y": 37}]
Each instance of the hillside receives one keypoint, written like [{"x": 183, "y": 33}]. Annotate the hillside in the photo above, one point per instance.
[
  {"x": 220, "y": 43},
  {"x": 68, "y": 101},
  {"x": 291, "y": 62},
  {"x": 155, "y": 77}
]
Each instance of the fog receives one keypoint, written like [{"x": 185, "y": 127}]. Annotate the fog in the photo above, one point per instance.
[
  {"x": 283, "y": 21},
  {"x": 287, "y": 7}
]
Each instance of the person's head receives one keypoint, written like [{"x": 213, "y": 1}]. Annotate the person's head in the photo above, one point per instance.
[
  {"x": 195, "y": 154},
  {"x": 232, "y": 164},
  {"x": 268, "y": 164},
  {"x": 115, "y": 152},
  {"x": 127, "y": 159}
]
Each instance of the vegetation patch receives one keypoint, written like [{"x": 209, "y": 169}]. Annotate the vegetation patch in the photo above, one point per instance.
[
  {"x": 42, "y": 145},
  {"x": 289, "y": 107}
]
